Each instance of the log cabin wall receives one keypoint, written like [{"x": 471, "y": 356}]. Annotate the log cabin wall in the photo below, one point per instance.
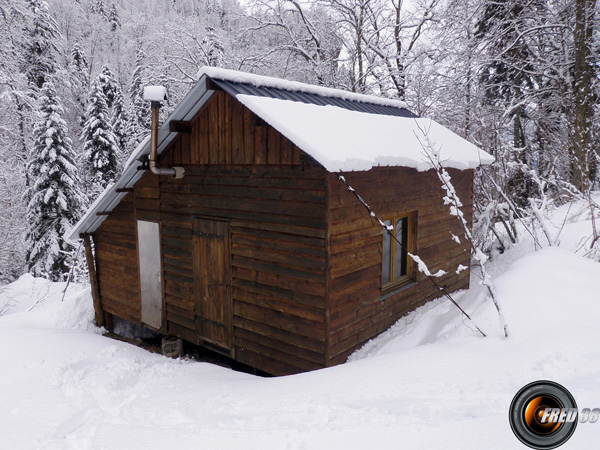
[
  {"x": 358, "y": 311},
  {"x": 117, "y": 262},
  {"x": 273, "y": 197}
]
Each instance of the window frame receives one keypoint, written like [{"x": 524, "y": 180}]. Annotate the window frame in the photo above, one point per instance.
[{"x": 409, "y": 276}]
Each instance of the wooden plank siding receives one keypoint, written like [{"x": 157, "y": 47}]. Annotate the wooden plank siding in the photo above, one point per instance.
[
  {"x": 117, "y": 262},
  {"x": 224, "y": 132},
  {"x": 277, "y": 228},
  {"x": 244, "y": 171},
  {"x": 358, "y": 311}
]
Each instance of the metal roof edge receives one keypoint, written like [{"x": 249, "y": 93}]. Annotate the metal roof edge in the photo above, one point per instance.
[{"x": 235, "y": 88}]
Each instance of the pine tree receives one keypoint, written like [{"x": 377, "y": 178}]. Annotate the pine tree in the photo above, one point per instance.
[
  {"x": 79, "y": 59},
  {"x": 140, "y": 114},
  {"x": 55, "y": 203},
  {"x": 99, "y": 143},
  {"x": 79, "y": 74},
  {"x": 113, "y": 18},
  {"x": 118, "y": 112},
  {"x": 99, "y": 8},
  {"x": 214, "y": 52},
  {"x": 120, "y": 124},
  {"x": 39, "y": 52},
  {"x": 110, "y": 85}
]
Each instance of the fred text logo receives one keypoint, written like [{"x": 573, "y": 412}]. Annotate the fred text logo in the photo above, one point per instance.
[{"x": 558, "y": 415}]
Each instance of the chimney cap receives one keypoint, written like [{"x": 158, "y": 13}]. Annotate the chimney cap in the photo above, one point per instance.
[{"x": 155, "y": 93}]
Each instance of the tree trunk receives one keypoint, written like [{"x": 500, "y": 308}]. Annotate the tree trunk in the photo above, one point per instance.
[{"x": 582, "y": 160}]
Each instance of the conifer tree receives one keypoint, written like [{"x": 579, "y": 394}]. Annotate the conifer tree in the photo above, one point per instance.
[
  {"x": 214, "y": 52},
  {"x": 55, "y": 203},
  {"x": 79, "y": 74},
  {"x": 39, "y": 52},
  {"x": 99, "y": 8},
  {"x": 120, "y": 124},
  {"x": 99, "y": 143},
  {"x": 113, "y": 18},
  {"x": 117, "y": 110},
  {"x": 80, "y": 64},
  {"x": 110, "y": 85},
  {"x": 140, "y": 114}
]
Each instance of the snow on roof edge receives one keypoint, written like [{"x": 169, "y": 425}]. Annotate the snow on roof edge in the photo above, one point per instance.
[
  {"x": 278, "y": 83},
  {"x": 183, "y": 108}
]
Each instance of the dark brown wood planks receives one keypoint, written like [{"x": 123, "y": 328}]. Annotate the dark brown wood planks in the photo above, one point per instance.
[
  {"x": 358, "y": 311},
  {"x": 117, "y": 262}
]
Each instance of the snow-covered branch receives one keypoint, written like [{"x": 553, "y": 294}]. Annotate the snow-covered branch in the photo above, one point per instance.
[{"x": 432, "y": 155}]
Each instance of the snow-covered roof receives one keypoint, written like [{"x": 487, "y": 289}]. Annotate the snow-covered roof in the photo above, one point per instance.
[
  {"x": 344, "y": 140},
  {"x": 343, "y": 131}
]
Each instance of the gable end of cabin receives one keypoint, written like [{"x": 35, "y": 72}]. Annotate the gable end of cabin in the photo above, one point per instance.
[{"x": 242, "y": 240}]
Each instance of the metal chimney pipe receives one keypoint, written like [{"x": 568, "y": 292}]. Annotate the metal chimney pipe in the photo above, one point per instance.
[{"x": 175, "y": 172}]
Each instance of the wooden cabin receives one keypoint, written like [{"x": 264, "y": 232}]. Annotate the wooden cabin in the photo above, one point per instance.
[{"x": 260, "y": 252}]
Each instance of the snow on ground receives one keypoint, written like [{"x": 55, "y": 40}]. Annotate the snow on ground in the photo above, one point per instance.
[{"x": 429, "y": 382}]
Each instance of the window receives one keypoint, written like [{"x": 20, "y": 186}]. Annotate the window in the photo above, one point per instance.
[{"x": 396, "y": 264}]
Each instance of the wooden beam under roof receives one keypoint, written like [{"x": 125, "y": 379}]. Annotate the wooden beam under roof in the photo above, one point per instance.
[{"x": 180, "y": 126}]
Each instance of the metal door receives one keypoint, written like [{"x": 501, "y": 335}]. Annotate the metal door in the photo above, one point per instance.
[{"x": 150, "y": 272}]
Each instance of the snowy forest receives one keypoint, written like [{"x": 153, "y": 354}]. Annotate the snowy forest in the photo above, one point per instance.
[{"x": 518, "y": 78}]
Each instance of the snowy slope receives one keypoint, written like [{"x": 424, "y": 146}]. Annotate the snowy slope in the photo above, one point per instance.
[{"x": 427, "y": 383}]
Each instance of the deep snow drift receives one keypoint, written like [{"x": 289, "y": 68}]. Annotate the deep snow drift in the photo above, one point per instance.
[{"x": 429, "y": 382}]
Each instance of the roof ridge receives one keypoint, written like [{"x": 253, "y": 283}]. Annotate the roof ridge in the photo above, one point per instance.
[{"x": 278, "y": 83}]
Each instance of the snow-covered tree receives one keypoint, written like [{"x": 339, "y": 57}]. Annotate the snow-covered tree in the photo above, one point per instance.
[
  {"x": 302, "y": 38},
  {"x": 55, "y": 203},
  {"x": 121, "y": 123},
  {"x": 214, "y": 52},
  {"x": 39, "y": 50},
  {"x": 79, "y": 72},
  {"x": 584, "y": 157},
  {"x": 110, "y": 85},
  {"x": 140, "y": 114},
  {"x": 99, "y": 143},
  {"x": 113, "y": 18},
  {"x": 115, "y": 103},
  {"x": 99, "y": 8}
]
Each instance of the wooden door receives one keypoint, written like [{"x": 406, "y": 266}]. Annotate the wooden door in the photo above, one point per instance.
[{"x": 212, "y": 279}]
